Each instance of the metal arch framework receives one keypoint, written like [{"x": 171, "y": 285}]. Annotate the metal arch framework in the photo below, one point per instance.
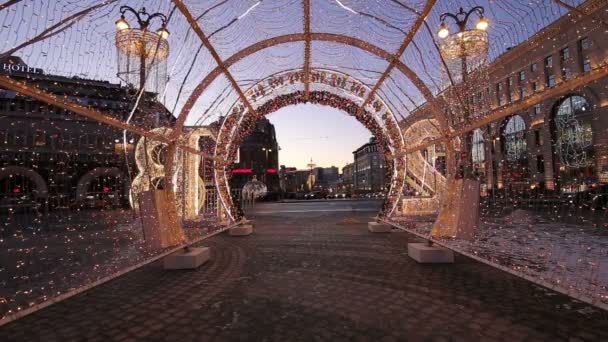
[
  {"x": 406, "y": 42},
  {"x": 307, "y": 44},
  {"x": 383, "y": 124},
  {"x": 437, "y": 105}
]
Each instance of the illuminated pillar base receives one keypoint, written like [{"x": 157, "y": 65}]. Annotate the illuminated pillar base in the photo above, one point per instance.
[
  {"x": 377, "y": 227},
  {"x": 425, "y": 254},
  {"x": 187, "y": 259},
  {"x": 241, "y": 230},
  {"x": 459, "y": 215}
]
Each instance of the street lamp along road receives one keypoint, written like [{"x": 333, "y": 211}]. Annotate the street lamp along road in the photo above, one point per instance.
[
  {"x": 462, "y": 52},
  {"x": 141, "y": 46}
]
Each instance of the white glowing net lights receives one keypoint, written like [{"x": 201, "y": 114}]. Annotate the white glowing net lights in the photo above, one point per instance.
[
  {"x": 470, "y": 46},
  {"x": 254, "y": 189},
  {"x": 142, "y": 54}
]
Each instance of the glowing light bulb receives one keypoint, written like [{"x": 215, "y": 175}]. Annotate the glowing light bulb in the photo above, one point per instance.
[
  {"x": 163, "y": 33},
  {"x": 482, "y": 24},
  {"x": 444, "y": 31},
  {"x": 122, "y": 24}
]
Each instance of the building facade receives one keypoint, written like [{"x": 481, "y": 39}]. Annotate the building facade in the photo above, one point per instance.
[
  {"x": 560, "y": 143},
  {"x": 326, "y": 178},
  {"x": 294, "y": 180},
  {"x": 54, "y": 158},
  {"x": 258, "y": 156},
  {"x": 369, "y": 173},
  {"x": 348, "y": 178}
]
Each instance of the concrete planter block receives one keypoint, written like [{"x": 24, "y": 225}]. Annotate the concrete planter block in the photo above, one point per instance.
[
  {"x": 187, "y": 259},
  {"x": 242, "y": 230},
  {"x": 378, "y": 227},
  {"x": 423, "y": 253}
]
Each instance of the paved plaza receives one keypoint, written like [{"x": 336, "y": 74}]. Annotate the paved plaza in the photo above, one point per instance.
[{"x": 312, "y": 272}]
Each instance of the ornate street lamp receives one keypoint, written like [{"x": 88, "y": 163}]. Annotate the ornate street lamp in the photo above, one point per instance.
[
  {"x": 464, "y": 51},
  {"x": 469, "y": 47},
  {"x": 142, "y": 53}
]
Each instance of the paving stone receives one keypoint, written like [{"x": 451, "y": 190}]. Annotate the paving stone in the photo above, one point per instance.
[{"x": 302, "y": 277}]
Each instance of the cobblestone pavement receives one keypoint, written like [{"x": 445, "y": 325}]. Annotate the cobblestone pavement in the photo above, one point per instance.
[{"x": 308, "y": 275}]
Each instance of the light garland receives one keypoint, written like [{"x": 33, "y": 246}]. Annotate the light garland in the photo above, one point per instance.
[{"x": 241, "y": 123}]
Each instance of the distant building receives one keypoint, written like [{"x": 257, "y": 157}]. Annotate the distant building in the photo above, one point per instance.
[
  {"x": 55, "y": 158},
  {"x": 294, "y": 180},
  {"x": 560, "y": 143},
  {"x": 325, "y": 178},
  {"x": 258, "y": 156},
  {"x": 348, "y": 177},
  {"x": 369, "y": 172}
]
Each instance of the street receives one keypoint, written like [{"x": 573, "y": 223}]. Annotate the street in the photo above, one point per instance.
[{"x": 312, "y": 271}]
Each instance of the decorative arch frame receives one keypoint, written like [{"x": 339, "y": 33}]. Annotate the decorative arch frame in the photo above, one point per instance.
[
  {"x": 381, "y": 122},
  {"x": 437, "y": 105}
]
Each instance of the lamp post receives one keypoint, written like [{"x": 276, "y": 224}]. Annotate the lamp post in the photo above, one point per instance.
[
  {"x": 141, "y": 42},
  {"x": 459, "y": 47},
  {"x": 461, "y": 19}
]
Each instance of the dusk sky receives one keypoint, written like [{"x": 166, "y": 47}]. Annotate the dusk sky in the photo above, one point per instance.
[{"x": 325, "y": 134}]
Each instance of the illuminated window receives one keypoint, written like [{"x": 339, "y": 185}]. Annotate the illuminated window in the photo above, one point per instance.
[
  {"x": 478, "y": 150},
  {"x": 564, "y": 54},
  {"x": 584, "y": 43},
  {"x": 533, "y": 67},
  {"x": 573, "y": 132},
  {"x": 535, "y": 86},
  {"x": 550, "y": 81},
  {"x": 586, "y": 65},
  {"x": 514, "y": 136}
]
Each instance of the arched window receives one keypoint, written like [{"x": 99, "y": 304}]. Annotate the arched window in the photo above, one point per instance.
[
  {"x": 17, "y": 190},
  {"x": 478, "y": 150},
  {"x": 573, "y": 144},
  {"x": 514, "y": 135},
  {"x": 573, "y": 134},
  {"x": 478, "y": 154}
]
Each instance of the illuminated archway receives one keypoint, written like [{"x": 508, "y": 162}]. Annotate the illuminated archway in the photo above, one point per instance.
[
  {"x": 85, "y": 181},
  {"x": 437, "y": 105},
  {"x": 329, "y": 88},
  {"x": 41, "y": 188}
]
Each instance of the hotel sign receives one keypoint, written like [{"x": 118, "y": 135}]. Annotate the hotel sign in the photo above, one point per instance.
[{"x": 10, "y": 68}]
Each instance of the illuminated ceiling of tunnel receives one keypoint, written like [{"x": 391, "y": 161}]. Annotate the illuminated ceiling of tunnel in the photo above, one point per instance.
[{"x": 79, "y": 40}]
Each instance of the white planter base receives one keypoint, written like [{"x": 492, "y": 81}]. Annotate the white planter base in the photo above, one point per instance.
[
  {"x": 377, "y": 227},
  {"x": 242, "y": 230},
  {"x": 187, "y": 259},
  {"x": 425, "y": 254}
]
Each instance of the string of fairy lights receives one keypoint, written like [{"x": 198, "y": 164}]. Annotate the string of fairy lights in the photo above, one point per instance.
[{"x": 55, "y": 252}]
